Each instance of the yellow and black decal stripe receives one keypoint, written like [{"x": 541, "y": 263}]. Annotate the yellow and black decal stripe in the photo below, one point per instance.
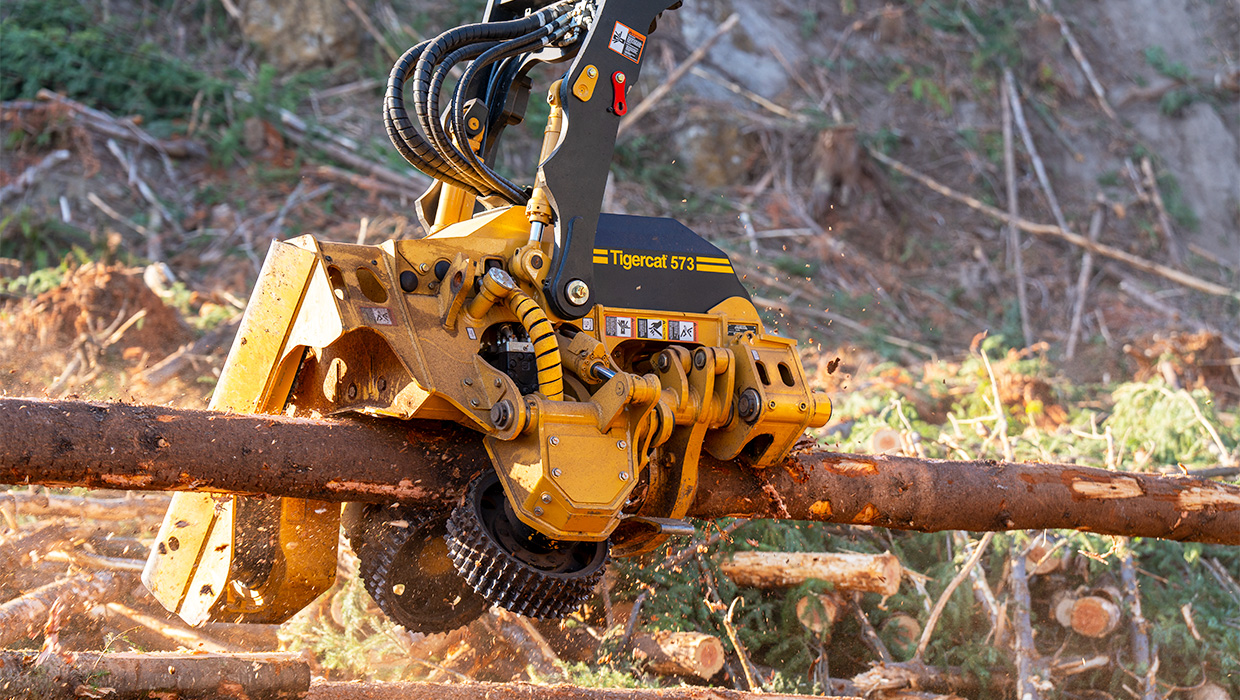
[{"x": 630, "y": 260}]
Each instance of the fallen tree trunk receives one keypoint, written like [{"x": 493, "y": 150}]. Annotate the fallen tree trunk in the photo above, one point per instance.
[
  {"x": 851, "y": 571},
  {"x": 23, "y": 616},
  {"x": 131, "y": 675},
  {"x": 124, "y": 508},
  {"x": 526, "y": 691},
  {"x": 169, "y": 633},
  {"x": 680, "y": 653},
  {"x": 20, "y": 549},
  {"x": 165, "y": 449}
]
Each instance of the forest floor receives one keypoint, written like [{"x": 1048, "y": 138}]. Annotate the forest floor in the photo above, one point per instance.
[{"x": 130, "y": 238}]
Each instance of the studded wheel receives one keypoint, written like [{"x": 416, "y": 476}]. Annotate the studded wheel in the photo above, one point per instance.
[
  {"x": 405, "y": 566},
  {"x": 514, "y": 566}
]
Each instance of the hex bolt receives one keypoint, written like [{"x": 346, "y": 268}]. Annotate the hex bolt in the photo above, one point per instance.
[
  {"x": 624, "y": 476},
  {"x": 578, "y": 292},
  {"x": 699, "y": 358},
  {"x": 555, "y": 471},
  {"x": 749, "y": 405},
  {"x": 467, "y": 381},
  {"x": 591, "y": 72},
  {"x": 498, "y": 383},
  {"x": 474, "y": 403},
  {"x": 663, "y": 363},
  {"x": 554, "y": 440},
  {"x": 546, "y": 498},
  {"x": 538, "y": 510},
  {"x": 502, "y": 414},
  {"x": 423, "y": 268},
  {"x": 622, "y": 444}
]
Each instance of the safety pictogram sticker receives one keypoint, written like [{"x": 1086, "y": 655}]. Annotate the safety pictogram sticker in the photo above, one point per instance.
[
  {"x": 377, "y": 315},
  {"x": 619, "y": 326},
  {"x": 627, "y": 42}
]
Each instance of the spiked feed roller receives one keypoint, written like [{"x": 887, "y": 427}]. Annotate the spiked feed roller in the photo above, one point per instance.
[{"x": 596, "y": 355}]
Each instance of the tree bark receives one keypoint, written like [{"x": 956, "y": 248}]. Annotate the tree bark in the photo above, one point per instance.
[
  {"x": 131, "y": 675},
  {"x": 680, "y": 653},
  {"x": 850, "y": 571},
  {"x": 23, "y": 616},
  {"x": 525, "y": 691},
  {"x": 75, "y": 443}
]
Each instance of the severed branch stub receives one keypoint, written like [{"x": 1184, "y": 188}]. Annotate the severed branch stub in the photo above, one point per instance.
[{"x": 108, "y": 445}]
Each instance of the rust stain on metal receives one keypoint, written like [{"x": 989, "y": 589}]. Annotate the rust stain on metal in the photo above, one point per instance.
[
  {"x": 867, "y": 515},
  {"x": 1197, "y": 498},
  {"x": 820, "y": 509}
]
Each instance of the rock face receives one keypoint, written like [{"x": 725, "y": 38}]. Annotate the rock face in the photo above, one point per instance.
[{"x": 301, "y": 33}]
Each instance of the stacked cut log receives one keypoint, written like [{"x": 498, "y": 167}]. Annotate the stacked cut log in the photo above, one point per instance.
[
  {"x": 680, "y": 653},
  {"x": 1091, "y": 614}
]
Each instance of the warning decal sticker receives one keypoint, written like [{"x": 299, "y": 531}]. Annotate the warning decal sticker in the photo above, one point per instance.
[
  {"x": 652, "y": 328},
  {"x": 627, "y": 42},
  {"x": 620, "y": 326},
  {"x": 377, "y": 315}
]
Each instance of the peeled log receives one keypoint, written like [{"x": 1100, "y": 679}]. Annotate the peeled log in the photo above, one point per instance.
[
  {"x": 852, "y": 571},
  {"x": 132, "y": 675},
  {"x": 680, "y": 653},
  {"x": 23, "y": 616},
  {"x": 100, "y": 445}
]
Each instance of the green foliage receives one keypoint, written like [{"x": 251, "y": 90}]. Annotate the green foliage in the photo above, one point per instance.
[
  {"x": 1177, "y": 207},
  {"x": 39, "y": 242},
  {"x": 37, "y": 282},
  {"x": 1159, "y": 424},
  {"x": 60, "y": 45},
  {"x": 922, "y": 88},
  {"x": 1157, "y": 59}
]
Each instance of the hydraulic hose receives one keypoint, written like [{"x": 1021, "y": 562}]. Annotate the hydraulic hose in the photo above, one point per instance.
[
  {"x": 498, "y": 53},
  {"x": 546, "y": 347},
  {"x": 408, "y": 142}
]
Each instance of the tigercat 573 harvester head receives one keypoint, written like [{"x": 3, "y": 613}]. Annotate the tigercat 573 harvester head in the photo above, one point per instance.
[{"x": 597, "y": 355}]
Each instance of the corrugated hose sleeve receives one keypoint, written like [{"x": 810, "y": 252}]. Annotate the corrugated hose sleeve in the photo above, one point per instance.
[{"x": 546, "y": 347}]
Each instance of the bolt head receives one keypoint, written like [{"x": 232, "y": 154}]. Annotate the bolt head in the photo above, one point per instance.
[
  {"x": 577, "y": 292},
  {"x": 591, "y": 72},
  {"x": 546, "y": 498},
  {"x": 554, "y": 440},
  {"x": 620, "y": 78},
  {"x": 624, "y": 476},
  {"x": 555, "y": 471},
  {"x": 699, "y": 358},
  {"x": 622, "y": 444},
  {"x": 663, "y": 363},
  {"x": 538, "y": 510}
]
